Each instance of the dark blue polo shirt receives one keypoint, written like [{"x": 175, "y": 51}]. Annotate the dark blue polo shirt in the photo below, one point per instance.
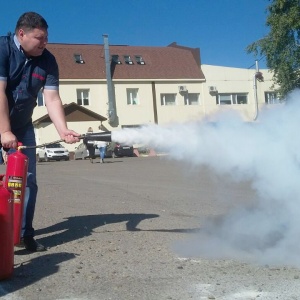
[{"x": 25, "y": 78}]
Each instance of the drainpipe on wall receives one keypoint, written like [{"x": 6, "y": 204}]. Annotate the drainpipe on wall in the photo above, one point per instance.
[
  {"x": 257, "y": 76},
  {"x": 155, "y": 118},
  {"x": 111, "y": 112}
]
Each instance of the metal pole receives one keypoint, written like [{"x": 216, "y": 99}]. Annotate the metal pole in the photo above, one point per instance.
[
  {"x": 255, "y": 91},
  {"x": 111, "y": 113}
]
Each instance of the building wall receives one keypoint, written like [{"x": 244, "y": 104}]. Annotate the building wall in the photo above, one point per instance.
[
  {"x": 67, "y": 89},
  {"x": 235, "y": 80},
  {"x": 178, "y": 112},
  {"x": 225, "y": 79},
  {"x": 134, "y": 114}
]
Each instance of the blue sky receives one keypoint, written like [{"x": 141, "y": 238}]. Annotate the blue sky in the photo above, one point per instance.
[{"x": 222, "y": 29}]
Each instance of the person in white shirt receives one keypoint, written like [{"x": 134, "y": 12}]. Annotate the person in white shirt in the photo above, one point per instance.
[
  {"x": 90, "y": 145},
  {"x": 101, "y": 146}
]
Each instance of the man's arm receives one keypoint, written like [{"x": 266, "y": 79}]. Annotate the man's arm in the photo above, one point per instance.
[
  {"x": 57, "y": 115},
  {"x": 8, "y": 139}
]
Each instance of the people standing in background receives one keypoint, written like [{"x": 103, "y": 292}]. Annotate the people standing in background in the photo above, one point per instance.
[
  {"x": 1, "y": 157},
  {"x": 102, "y": 149},
  {"x": 90, "y": 145},
  {"x": 101, "y": 146}
]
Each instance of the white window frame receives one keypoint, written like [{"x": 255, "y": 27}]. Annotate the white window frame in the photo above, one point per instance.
[
  {"x": 165, "y": 99},
  {"x": 191, "y": 99},
  {"x": 132, "y": 96},
  {"x": 232, "y": 98},
  {"x": 272, "y": 98},
  {"x": 83, "y": 97}
]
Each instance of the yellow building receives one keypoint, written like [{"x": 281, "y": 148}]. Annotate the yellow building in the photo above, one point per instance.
[{"x": 129, "y": 86}]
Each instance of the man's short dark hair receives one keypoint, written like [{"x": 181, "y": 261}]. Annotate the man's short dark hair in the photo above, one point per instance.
[{"x": 31, "y": 20}]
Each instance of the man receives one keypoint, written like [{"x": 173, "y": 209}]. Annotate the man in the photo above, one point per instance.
[
  {"x": 1, "y": 156},
  {"x": 26, "y": 67},
  {"x": 90, "y": 145},
  {"x": 101, "y": 146}
]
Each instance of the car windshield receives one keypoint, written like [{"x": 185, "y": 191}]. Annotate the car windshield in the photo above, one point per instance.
[{"x": 56, "y": 145}]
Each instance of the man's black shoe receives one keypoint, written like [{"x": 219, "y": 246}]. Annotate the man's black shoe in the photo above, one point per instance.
[{"x": 32, "y": 245}]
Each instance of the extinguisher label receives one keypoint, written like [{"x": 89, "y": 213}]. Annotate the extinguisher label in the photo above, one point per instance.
[{"x": 15, "y": 184}]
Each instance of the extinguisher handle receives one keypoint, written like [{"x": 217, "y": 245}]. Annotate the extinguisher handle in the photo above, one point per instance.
[
  {"x": 20, "y": 146},
  {"x": 7, "y": 149}
]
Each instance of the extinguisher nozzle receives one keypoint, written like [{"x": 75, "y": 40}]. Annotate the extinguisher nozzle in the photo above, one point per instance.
[{"x": 98, "y": 136}]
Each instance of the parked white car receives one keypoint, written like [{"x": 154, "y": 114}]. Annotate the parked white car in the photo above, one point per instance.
[{"x": 53, "y": 152}]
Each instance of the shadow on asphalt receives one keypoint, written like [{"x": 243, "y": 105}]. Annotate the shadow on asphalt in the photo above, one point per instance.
[
  {"x": 33, "y": 270},
  {"x": 74, "y": 228},
  {"x": 70, "y": 229}
]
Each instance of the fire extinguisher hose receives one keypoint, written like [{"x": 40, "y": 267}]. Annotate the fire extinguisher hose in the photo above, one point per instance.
[
  {"x": 98, "y": 136},
  {"x": 43, "y": 145}
]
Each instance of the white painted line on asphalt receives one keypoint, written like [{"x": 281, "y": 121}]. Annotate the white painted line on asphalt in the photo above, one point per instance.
[{"x": 190, "y": 259}]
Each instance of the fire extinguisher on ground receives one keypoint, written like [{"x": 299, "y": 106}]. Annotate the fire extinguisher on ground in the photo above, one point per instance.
[
  {"x": 12, "y": 193},
  {"x": 15, "y": 180},
  {"x": 6, "y": 229}
]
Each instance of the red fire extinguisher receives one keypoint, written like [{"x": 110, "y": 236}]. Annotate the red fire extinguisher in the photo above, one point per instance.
[
  {"x": 6, "y": 229},
  {"x": 15, "y": 180}
]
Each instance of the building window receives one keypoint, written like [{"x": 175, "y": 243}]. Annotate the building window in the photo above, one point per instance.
[
  {"x": 168, "y": 99},
  {"x": 229, "y": 99},
  {"x": 131, "y": 126},
  {"x": 272, "y": 98},
  {"x": 191, "y": 99},
  {"x": 40, "y": 98},
  {"x": 115, "y": 59},
  {"x": 78, "y": 58},
  {"x": 139, "y": 59},
  {"x": 128, "y": 60},
  {"x": 83, "y": 97},
  {"x": 132, "y": 96}
]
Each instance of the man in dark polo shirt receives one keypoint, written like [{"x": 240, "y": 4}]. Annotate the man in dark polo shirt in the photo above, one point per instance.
[{"x": 26, "y": 67}]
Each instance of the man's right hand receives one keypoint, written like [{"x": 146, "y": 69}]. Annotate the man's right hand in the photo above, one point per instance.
[{"x": 9, "y": 140}]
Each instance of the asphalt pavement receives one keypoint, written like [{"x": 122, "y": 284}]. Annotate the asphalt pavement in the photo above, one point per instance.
[{"x": 112, "y": 232}]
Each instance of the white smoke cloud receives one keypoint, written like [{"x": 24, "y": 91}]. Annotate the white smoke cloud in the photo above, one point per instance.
[{"x": 267, "y": 152}]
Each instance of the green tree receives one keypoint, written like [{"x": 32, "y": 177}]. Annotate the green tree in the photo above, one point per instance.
[{"x": 281, "y": 47}]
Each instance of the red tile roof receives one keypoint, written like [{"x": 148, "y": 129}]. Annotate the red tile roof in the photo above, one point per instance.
[{"x": 171, "y": 62}]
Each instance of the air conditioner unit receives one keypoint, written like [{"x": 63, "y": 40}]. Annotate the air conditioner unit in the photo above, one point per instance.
[
  {"x": 182, "y": 88},
  {"x": 213, "y": 89}
]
